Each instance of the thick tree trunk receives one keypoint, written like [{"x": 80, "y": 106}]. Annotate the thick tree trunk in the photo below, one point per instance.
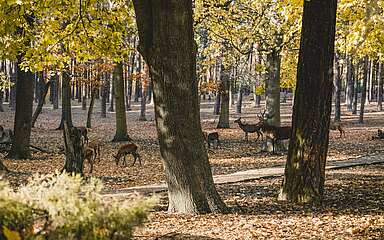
[
  {"x": 305, "y": 169},
  {"x": 23, "y": 116},
  {"x": 74, "y": 150},
  {"x": 337, "y": 89},
  {"x": 350, "y": 84},
  {"x": 224, "y": 97},
  {"x": 168, "y": 47},
  {"x": 43, "y": 93},
  {"x": 380, "y": 87},
  {"x": 364, "y": 90},
  {"x": 66, "y": 111},
  {"x": 121, "y": 124}
]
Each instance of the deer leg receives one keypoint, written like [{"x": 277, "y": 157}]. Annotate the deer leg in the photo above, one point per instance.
[
  {"x": 124, "y": 161},
  {"x": 134, "y": 159},
  {"x": 246, "y": 136}
]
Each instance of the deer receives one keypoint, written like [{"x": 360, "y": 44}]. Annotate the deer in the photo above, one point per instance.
[
  {"x": 211, "y": 137},
  {"x": 6, "y": 135},
  {"x": 96, "y": 146},
  {"x": 275, "y": 133},
  {"x": 125, "y": 149},
  {"x": 380, "y": 135},
  {"x": 337, "y": 126},
  {"x": 250, "y": 128},
  {"x": 90, "y": 156},
  {"x": 84, "y": 133}
]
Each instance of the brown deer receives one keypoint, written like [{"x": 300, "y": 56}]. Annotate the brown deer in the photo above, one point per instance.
[
  {"x": 125, "y": 149},
  {"x": 6, "y": 135},
  {"x": 380, "y": 135},
  {"x": 96, "y": 146},
  {"x": 212, "y": 137},
  {"x": 90, "y": 156},
  {"x": 250, "y": 128},
  {"x": 337, "y": 126},
  {"x": 275, "y": 133}
]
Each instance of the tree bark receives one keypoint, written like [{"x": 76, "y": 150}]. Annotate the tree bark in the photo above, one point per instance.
[
  {"x": 364, "y": 90},
  {"x": 43, "y": 93},
  {"x": 104, "y": 96},
  {"x": 23, "y": 116},
  {"x": 305, "y": 168},
  {"x": 74, "y": 149},
  {"x": 380, "y": 87},
  {"x": 167, "y": 44},
  {"x": 1, "y": 100},
  {"x": 113, "y": 95},
  {"x": 66, "y": 111},
  {"x": 216, "y": 107},
  {"x": 273, "y": 87},
  {"x": 337, "y": 91},
  {"x": 356, "y": 88},
  {"x": 54, "y": 91},
  {"x": 239, "y": 101},
  {"x": 90, "y": 108},
  {"x": 13, "y": 73},
  {"x": 121, "y": 124},
  {"x": 350, "y": 84},
  {"x": 224, "y": 98}
]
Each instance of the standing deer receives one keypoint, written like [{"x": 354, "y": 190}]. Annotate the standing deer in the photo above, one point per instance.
[
  {"x": 275, "y": 133},
  {"x": 125, "y": 149},
  {"x": 211, "y": 137},
  {"x": 96, "y": 146},
  {"x": 337, "y": 126},
  {"x": 250, "y": 128},
  {"x": 90, "y": 156}
]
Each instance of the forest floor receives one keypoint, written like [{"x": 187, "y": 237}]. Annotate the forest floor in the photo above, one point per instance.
[{"x": 354, "y": 197}]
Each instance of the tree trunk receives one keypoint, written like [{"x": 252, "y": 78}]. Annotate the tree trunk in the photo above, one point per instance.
[
  {"x": 90, "y": 108},
  {"x": 1, "y": 100},
  {"x": 66, "y": 112},
  {"x": 23, "y": 116},
  {"x": 13, "y": 73},
  {"x": 364, "y": 90},
  {"x": 272, "y": 100},
  {"x": 239, "y": 101},
  {"x": 380, "y": 87},
  {"x": 224, "y": 97},
  {"x": 350, "y": 84},
  {"x": 74, "y": 150},
  {"x": 168, "y": 46},
  {"x": 305, "y": 169},
  {"x": 43, "y": 93},
  {"x": 356, "y": 88},
  {"x": 54, "y": 91},
  {"x": 121, "y": 124},
  {"x": 144, "y": 83},
  {"x": 337, "y": 91},
  {"x": 104, "y": 96},
  {"x": 216, "y": 107},
  {"x": 113, "y": 95}
]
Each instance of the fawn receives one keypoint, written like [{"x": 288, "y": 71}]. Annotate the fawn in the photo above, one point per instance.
[
  {"x": 337, "y": 126},
  {"x": 250, "y": 128},
  {"x": 90, "y": 156},
  {"x": 125, "y": 149},
  {"x": 211, "y": 137}
]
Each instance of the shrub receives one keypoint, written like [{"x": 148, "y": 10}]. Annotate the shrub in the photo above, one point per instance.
[{"x": 60, "y": 206}]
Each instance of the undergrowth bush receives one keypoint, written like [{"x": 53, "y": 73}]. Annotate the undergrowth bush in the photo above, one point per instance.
[{"x": 59, "y": 206}]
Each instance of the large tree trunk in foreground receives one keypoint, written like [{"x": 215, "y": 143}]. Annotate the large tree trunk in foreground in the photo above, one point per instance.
[
  {"x": 305, "y": 169},
  {"x": 23, "y": 115},
  {"x": 168, "y": 47},
  {"x": 43, "y": 94},
  {"x": 121, "y": 122},
  {"x": 74, "y": 146},
  {"x": 66, "y": 111}
]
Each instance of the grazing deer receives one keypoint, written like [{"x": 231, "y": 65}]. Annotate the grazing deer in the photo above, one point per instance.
[
  {"x": 90, "y": 156},
  {"x": 272, "y": 132},
  {"x": 250, "y": 128},
  {"x": 84, "y": 133},
  {"x": 96, "y": 146},
  {"x": 6, "y": 135},
  {"x": 337, "y": 126},
  {"x": 380, "y": 135},
  {"x": 211, "y": 137},
  {"x": 125, "y": 149}
]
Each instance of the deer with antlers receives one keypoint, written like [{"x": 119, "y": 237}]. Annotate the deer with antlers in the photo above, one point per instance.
[{"x": 250, "y": 128}]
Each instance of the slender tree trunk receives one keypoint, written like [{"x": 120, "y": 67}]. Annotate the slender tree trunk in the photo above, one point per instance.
[
  {"x": 23, "y": 116},
  {"x": 104, "y": 96},
  {"x": 356, "y": 88},
  {"x": 43, "y": 94},
  {"x": 239, "y": 101},
  {"x": 1, "y": 100},
  {"x": 364, "y": 90},
  {"x": 90, "y": 108},
  {"x": 350, "y": 84},
  {"x": 121, "y": 124},
  {"x": 216, "y": 107},
  {"x": 224, "y": 97},
  {"x": 337, "y": 85},
  {"x": 113, "y": 96},
  {"x": 14, "y": 76},
  {"x": 54, "y": 91},
  {"x": 144, "y": 84},
  {"x": 189, "y": 177},
  {"x": 66, "y": 112},
  {"x": 380, "y": 87},
  {"x": 305, "y": 169}
]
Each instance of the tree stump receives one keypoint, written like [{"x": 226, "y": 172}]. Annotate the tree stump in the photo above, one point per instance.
[{"x": 74, "y": 150}]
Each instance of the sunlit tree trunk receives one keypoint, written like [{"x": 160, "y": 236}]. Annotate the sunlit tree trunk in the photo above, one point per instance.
[
  {"x": 364, "y": 90},
  {"x": 167, "y": 44},
  {"x": 305, "y": 168},
  {"x": 350, "y": 84},
  {"x": 380, "y": 87}
]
